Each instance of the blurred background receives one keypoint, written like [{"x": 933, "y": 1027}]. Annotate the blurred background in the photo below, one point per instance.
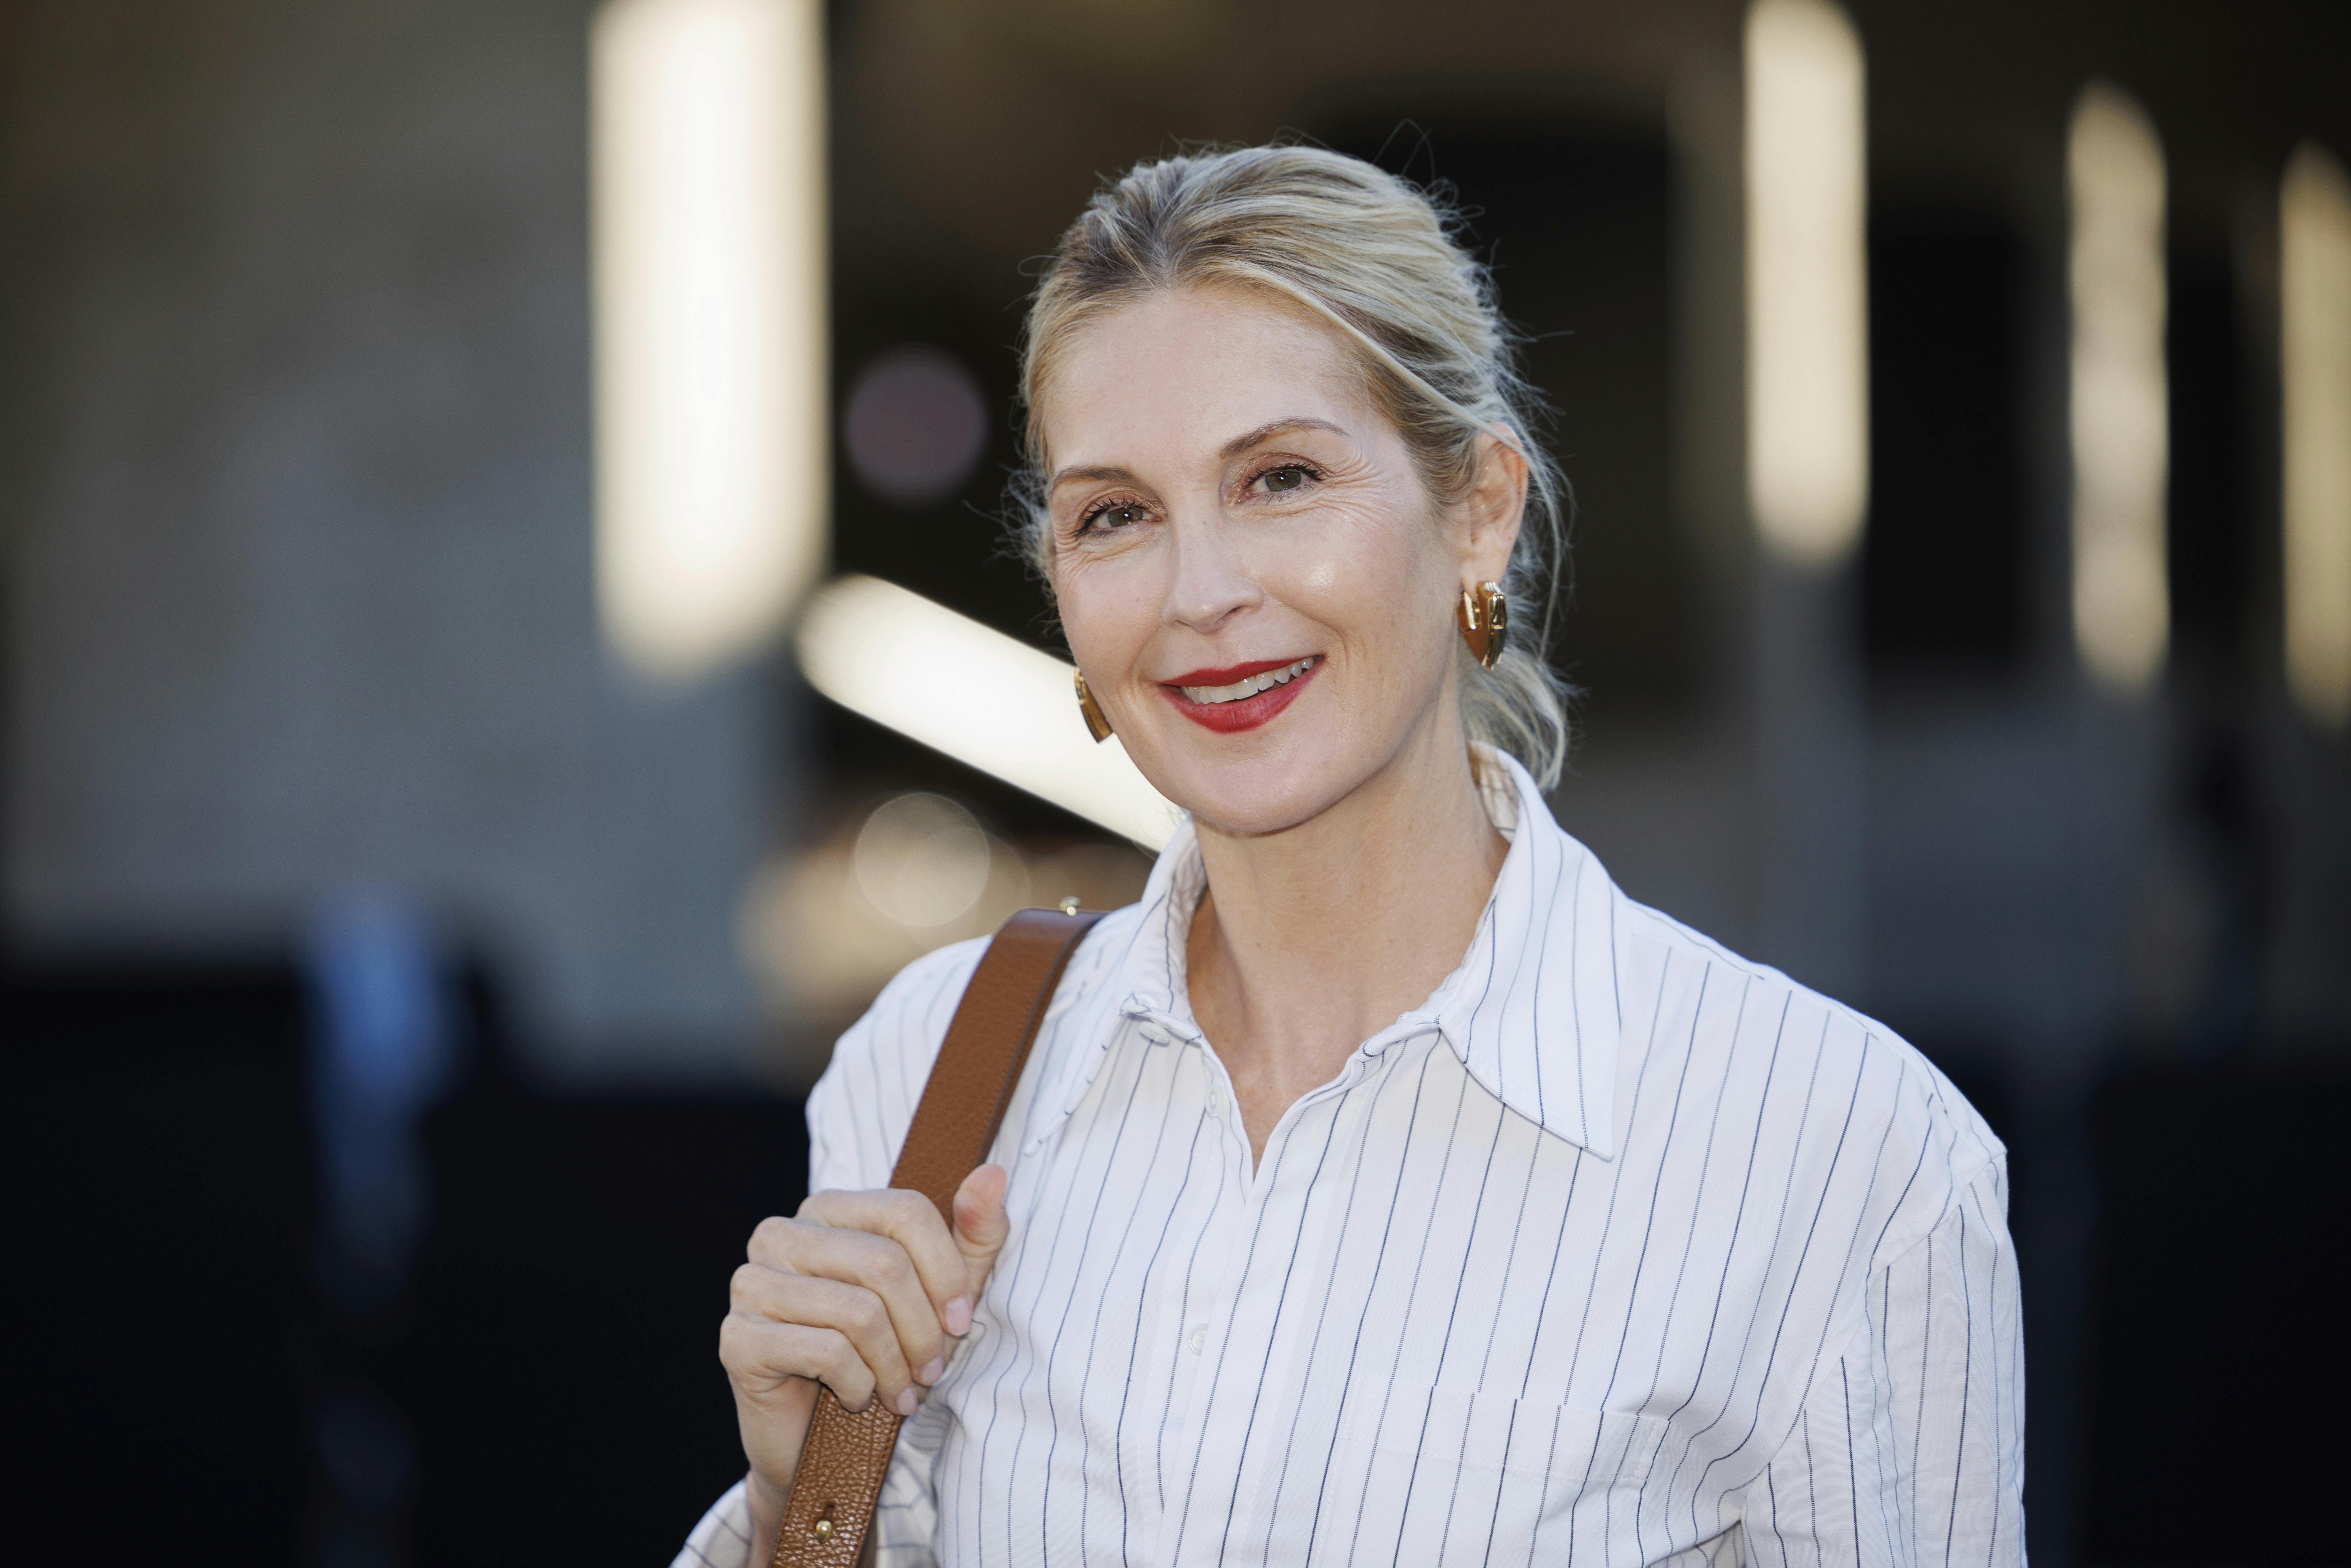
[{"x": 506, "y": 643}]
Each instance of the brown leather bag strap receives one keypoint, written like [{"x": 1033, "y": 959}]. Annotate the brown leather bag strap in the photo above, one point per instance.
[{"x": 846, "y": 1456}]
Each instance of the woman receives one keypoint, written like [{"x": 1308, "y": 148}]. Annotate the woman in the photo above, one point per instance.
[{"x": 1386, "y": 1186}]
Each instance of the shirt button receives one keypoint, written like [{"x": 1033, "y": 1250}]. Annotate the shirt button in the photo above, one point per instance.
[{"x": 1197, "y": 1340}]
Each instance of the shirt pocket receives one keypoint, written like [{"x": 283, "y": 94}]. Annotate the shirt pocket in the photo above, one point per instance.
[{"x": 1451, "y": 1473}]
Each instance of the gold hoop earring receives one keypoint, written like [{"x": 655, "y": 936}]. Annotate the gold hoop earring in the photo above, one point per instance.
[
  {"x": 1485, "y": 619},
  {"x": 1096, "y": 723}
]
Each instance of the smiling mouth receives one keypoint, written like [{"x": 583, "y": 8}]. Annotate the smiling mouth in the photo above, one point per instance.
[
  {"x": 1250, "y": 685},
  {"x": 1240, "y": 696}
]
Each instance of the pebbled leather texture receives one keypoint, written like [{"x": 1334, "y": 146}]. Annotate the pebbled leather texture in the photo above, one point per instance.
[{"x": 847, "y": 1455}]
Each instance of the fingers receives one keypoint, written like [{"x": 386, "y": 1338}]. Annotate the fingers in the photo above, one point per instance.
[
  {"x": 857, "y": 1293},
  {"x": 799, "y": 1326},
  {"x": 980, "y": 1228},
  {"x": 879, "y": 1264},
  {"x": 909, "y": 1219},
  {"x": 761, "y": 1355},
  {"x": 871, "y": 1284}
]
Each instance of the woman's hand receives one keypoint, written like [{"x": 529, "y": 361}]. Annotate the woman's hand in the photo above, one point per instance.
[{"x": 862, "y": 1292}]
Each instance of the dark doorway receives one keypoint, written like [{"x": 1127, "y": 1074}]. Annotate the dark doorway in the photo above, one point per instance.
[{"x": 1943, "y": 568}]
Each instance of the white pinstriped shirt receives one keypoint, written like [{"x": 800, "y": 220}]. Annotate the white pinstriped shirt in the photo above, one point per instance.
[{"x": 1620, "y": 1249}]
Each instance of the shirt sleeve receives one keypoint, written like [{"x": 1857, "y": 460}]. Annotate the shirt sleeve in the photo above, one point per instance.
[
  {"x": 723, "y": 1539},
  {"x": 859, "y": 1112},
  {"x": 858, "y": 1115},
  {"x": 906, "y": 1518},
  {"x": 1911, "y": 1445}
]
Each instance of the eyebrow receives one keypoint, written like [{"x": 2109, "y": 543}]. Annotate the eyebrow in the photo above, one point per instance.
[
  {"x": 1246, "y": 439},
  {"x": 1233, "y": 448},
  {"x": 1062, "y": 476}
]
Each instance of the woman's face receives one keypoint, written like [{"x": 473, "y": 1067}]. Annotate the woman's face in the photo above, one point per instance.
[{"x": 1230, "y": 512}]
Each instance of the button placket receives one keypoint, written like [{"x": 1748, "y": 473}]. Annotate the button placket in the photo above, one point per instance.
[
  {"x": 1227, "y": 1294},
  {"x": 1215, "y": 1419},
  {"x": 1196, "y": 1299}
]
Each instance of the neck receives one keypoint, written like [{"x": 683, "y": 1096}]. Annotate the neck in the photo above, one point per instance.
[{"x": 1312, "y": 940}]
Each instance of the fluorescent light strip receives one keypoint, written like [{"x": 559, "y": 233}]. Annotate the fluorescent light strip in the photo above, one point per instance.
[
  {"x": 979, "y": 696},
  {"x": 2314, "y": 286},
  {"x": 712, "y": 446},
  {"x": 1807, "y": 281},
  {"x": 2120, "y": 418}
]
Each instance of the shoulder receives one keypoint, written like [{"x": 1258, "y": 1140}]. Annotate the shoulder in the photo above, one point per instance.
[
  {"x": 860, "y": 1108},
  {"x": 1869, "y": 1125}
]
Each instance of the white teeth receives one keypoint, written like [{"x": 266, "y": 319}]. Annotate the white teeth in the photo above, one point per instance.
[{"x": 1252, "y": 685}]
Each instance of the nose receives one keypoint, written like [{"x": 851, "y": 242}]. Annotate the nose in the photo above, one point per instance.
[{"x": 1211, "y": 583}]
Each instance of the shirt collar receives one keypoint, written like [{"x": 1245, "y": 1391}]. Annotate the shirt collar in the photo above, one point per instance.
[{"x": 1532, "y": 1011}]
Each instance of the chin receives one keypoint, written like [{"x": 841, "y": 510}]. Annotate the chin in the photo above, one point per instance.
[{"x": 1262, "y": 790}]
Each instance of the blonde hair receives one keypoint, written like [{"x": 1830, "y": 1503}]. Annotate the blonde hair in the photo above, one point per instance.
[{"x": 1376, "y": 258}]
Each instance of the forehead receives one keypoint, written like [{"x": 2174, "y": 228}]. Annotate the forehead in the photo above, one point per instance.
[{"x": 1194, "y": 366}]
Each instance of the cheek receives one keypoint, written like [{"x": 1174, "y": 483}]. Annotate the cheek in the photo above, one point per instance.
[
  {"x": 1377, "y": 582},
  {"x": 1108, "y": 615}
]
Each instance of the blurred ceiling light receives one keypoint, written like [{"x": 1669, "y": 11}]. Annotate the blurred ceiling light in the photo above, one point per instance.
[
  {"x": 974, "y": 693},
  {"x": 2315, "y": 220},
  {"x": 915, "y": 425},
  {"x": 1807, "y": 289},
  {"x": 922, "y": 860},
  {"x": 821, "y": 946},
  {"x": 712, "y": 451},
  {"x": 2114, "y": 181}
]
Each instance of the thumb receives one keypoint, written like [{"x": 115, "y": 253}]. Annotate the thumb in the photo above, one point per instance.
[{"x": 980, "y": 1226}]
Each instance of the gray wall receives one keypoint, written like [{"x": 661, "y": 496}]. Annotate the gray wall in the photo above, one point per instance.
[
  {"x": 295, "y": 497},
  {"x": 297, "y": 515}
]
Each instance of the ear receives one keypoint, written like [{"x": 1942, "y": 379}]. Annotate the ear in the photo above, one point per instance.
[{"x": 1496, "y": 506}]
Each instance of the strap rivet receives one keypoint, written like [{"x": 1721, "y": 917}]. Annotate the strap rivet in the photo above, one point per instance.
[{"x": 824, "y": 1523}]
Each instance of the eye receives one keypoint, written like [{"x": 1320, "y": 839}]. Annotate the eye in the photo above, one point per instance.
[
  {"x": 1289, "y": 476},
  {"x": 1113, "y": 515}
]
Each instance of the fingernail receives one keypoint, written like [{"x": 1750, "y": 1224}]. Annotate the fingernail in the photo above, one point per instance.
[
  {"x": 958, "y": 1317},
  {"x": 931, "y": 1371},
  {"x": 904, "y": 1403}
]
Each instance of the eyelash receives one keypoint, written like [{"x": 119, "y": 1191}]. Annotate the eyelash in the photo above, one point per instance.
[
  {"x": 1286, "y": 466},
  {"x": 1087, "y": 518}
]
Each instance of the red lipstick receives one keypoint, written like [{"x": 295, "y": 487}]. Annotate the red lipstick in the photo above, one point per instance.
[
  {"x": 1226, "y": 677},
  {"x": 1246, "y": 713}
]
